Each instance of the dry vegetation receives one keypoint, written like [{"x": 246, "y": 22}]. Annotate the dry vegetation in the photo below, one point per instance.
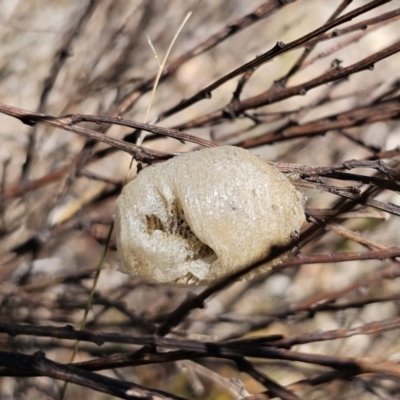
[{"x": 309, "y": 85}]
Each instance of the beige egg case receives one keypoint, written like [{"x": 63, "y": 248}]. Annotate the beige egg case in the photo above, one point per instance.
[{"x": 203, "y": 215}]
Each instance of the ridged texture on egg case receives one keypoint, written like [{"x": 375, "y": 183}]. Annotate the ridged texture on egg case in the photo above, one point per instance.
[{"x": 203, "y": 215}]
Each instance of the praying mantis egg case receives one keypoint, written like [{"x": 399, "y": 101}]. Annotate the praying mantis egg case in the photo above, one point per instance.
[{"x": 203, "y": 215}]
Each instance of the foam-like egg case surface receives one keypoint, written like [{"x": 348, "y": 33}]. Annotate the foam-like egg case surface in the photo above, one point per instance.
[{"x": 203, "y": 215}]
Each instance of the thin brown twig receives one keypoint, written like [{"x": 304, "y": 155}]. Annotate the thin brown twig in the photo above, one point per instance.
[
  {"x": 139, "y": 153},
  {"x": 60, "y": 58},
  {"x": 39, "y": 365},
  {"x": 279, "y": 94},
  {"x": 358, "y": 116},
  {"x": 265, "y": 10},
  {"x": 310, "y": 47},
  {"x": 279, "y": 48},
  {"x": 274, "y": 388}
]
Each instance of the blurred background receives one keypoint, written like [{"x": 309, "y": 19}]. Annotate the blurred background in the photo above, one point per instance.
[{"x": 58, "y": 189}]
